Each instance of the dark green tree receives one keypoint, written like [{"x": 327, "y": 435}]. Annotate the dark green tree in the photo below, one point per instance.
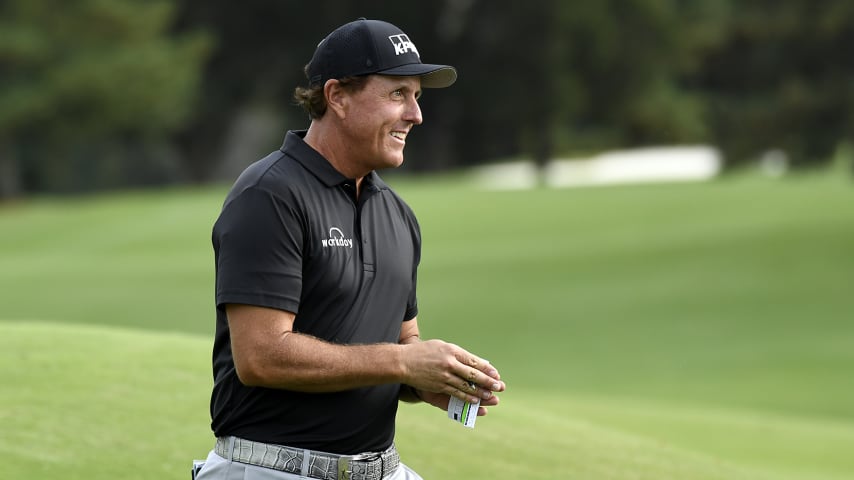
[
  {"x": 85, "y": 87},
  {"x": 547, "y": 77},
  {"x": 783, "y": 79}
]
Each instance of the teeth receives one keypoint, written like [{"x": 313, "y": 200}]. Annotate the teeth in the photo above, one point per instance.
[{"x": 399, "y": 135}]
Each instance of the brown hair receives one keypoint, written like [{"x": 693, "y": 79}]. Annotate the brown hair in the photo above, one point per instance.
[{"x": 312, "y": 100}]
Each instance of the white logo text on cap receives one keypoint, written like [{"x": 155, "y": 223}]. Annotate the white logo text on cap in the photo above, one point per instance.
[{"x": 402, "y": 45}]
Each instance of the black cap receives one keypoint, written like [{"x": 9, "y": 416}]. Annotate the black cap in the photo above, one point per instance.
[{"x": 364, "y": 47}]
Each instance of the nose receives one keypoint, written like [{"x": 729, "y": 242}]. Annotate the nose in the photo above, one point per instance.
[{"x": 413, "y": 112}]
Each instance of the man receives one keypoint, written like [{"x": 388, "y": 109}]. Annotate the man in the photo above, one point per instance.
[{"x": 317, "y": 337}]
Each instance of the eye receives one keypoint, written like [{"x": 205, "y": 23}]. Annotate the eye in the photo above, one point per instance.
[{"x": 397, "y": 93}]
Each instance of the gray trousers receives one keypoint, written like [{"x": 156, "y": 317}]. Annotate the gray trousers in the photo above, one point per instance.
[{"x": 219, "y": 468}]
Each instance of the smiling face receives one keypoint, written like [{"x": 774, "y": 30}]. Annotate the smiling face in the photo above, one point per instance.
[{"x": 378, "y": 119}]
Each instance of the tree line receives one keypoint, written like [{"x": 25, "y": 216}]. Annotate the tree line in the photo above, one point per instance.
[{"x": 114, "y": 93}]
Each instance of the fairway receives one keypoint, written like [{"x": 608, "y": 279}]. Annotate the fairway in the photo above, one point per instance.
[{"x": 693, "y": 331}]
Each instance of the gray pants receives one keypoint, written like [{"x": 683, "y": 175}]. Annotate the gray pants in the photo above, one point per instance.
[{"x": 218, "y": 468}]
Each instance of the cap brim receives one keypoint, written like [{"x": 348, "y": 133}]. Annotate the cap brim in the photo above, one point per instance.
[{"x": 432, "y": 76}]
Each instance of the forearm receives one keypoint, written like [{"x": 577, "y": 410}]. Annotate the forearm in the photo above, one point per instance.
[{"x": 308, "y": 364}]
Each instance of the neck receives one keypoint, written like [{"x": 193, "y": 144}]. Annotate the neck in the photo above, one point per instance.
[{"x": 334, "y": 150}]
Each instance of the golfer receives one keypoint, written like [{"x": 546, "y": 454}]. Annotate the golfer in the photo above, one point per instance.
[{"x": 316, "y": 265}]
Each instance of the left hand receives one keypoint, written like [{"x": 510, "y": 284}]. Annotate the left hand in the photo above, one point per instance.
[{"x": 441, "y": 400}]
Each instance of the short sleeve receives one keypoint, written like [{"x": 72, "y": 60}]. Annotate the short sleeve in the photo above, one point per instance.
[
  {"x": 412, "y": 299},
  {"x": 258, "y": 241}
]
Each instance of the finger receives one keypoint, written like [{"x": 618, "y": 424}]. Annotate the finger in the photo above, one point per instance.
[
  {"x": 468, "y": 398},
  {"x": 478, "y": 363},
  {"x": 476, "y": 377},
  {"x": 485, "y": 396},
  {"x": 461, "y": 390},
  {"x": 489, "y": 402}
]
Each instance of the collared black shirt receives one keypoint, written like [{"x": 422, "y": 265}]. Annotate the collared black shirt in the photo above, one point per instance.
[{"x": 293, "y": 236}]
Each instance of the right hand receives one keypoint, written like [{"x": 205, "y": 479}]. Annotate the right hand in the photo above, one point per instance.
[{"x": 438, "y": 367}]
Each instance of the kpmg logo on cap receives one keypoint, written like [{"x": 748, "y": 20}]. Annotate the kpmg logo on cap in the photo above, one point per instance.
[
  {"x": 402, "y": 44},
  {"x": 336, "y": 239}
]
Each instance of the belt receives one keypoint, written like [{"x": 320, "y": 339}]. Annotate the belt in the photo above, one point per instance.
[{"x": 309, "y": 463}]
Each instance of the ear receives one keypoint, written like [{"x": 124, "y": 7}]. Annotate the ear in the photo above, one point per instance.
[{"x": 336, "y": 98}]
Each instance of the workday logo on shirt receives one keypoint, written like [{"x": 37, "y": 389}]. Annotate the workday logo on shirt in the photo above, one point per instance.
[{"x": 336, "y": 239}]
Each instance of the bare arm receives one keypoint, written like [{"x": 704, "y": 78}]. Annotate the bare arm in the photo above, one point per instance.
[{"x": 267, "y": 352}]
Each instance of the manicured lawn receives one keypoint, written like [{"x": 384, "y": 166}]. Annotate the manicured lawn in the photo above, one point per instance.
[{"x": 695, "y": 331}]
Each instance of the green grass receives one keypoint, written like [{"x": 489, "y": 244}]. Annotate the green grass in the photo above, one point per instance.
[
  {"x": 82, "y": 402},
  {"x": 696, "y": 331}
]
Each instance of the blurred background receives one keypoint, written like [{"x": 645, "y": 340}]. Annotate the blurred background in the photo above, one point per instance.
[
  {"x": 666, "y": 330},
  {"x": 105, "y": 94}
]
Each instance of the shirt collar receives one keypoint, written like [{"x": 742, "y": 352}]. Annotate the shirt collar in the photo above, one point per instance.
[{"x": 295, "y": 147}]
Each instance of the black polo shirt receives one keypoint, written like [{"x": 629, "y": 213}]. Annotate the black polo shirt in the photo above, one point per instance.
[{"x": 292, "y": 236}]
